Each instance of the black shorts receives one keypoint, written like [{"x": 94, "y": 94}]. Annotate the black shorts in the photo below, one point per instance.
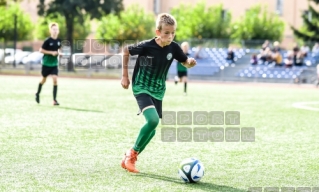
[
  {"x": 46, "y": 71},
  {"x": 181, "y": 74},
  {"x": 145, "y": 100}
]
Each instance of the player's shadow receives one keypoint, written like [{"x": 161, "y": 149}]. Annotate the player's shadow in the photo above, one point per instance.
[
  {"x": 75, "y": 109},
  {"x": 200, "y": 185}
]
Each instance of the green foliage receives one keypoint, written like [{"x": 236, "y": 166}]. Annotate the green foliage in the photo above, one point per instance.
[
  {"x": 6, "y": 2},
  {"x": 257, "y": 24},
  {"x": 201, "y": 22},
  {"x": 24, "y": 23},
  {"x": 3, "y": 2},
  {"x": 132, "y": 24},
  {"x": 81, "y": 30},
  {"x": 309, "y": 31},
  {"x": 72, "y": 8}
]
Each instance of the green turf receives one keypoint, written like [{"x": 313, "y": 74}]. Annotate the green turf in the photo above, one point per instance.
[{"x": 78, "y": 145}]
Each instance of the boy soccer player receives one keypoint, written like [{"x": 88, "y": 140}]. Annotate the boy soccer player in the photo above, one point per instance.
[
  {"x": 181, "y": 70},
  {"x": 50, "y": 50},
  {"x": 148, "y": 82}
]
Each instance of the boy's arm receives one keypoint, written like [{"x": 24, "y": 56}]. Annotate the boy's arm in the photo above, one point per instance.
[
  {"x": 190, "y": 62},
  {"x": 54, "y": 53},
  {"x": 180, "y": 56},
  {"x": 125, "y": 79},
  {"x": 126, "y": 56},
  {"x": 135, "y": 49}
]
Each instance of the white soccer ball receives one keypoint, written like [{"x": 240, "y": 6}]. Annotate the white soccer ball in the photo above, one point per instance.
[{"x": 191, "y": 170}]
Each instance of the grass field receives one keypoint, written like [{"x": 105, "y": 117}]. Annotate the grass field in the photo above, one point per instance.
[{"x": 78, "y": 145}]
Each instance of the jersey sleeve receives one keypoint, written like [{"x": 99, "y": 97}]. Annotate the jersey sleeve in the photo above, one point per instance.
[
  {"x": 136, "y": 49},
  {"x": 45, "y": 44},
  {"x": 180, "y": 56}
]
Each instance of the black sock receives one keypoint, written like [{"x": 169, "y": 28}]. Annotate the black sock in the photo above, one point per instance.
[
  {"x": 55, "y": 90},
  {"x": 185, "y": 86},
  {"x": 39, "y": 88}
]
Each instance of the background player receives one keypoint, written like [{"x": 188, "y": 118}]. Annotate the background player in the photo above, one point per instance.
[
  {"x": 181, "y": 70},
  {"x": 50, "y": 49}
]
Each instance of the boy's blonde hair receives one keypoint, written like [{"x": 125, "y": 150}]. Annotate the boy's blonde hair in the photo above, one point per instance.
[
  {"x": 53, "y": 24},
  {"x": 165, "y": 19},
  {"x": 185, "y": 46}
]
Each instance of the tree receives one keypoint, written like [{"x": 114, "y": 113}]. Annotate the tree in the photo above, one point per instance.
[
  {"x": 81, "y": 30},
  {"x": 131, "y": 24},
  {"x": 201, "y": 22},
  {"x": 3, "y": 3},
  {"x": 310, "y": 29},
  {"x": 72, "y": 9},
  {"x": 6, "y": 2},
  {"x": 24, "y": 24},
  {"x": 258, "y": 24}
]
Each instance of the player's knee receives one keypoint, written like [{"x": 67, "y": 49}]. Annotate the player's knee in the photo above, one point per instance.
[
  {"x": 55, "y": 80},
  {"x": 153, "y": 122}
]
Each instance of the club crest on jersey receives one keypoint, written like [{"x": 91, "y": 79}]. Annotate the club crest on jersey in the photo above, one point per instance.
[
  {"x": 58, "y": 43},
  {"x": 169, "y": 56}
]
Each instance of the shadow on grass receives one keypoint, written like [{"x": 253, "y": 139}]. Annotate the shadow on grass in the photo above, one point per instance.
[
  {"x": 200, "y": 185},
  {"x": 74, "y": 109}
]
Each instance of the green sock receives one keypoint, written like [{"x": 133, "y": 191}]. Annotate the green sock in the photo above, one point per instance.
[
  {"x": 147, "y": 141},
  {"x": 152, "y": 120}
]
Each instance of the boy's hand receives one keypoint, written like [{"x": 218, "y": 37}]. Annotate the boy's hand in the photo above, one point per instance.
[
  {"x": 55, "y": 53},
  {"x": 190, "y": 62},
  {"x": 125, "y": 82}
]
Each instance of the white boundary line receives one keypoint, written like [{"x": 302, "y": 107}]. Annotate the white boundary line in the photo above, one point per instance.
[{"x": 303, "y": 105}]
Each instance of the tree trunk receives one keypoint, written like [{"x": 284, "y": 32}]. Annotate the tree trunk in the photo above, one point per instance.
[{"x": 69, "y": 36}]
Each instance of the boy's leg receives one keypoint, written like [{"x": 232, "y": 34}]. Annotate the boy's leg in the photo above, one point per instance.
[
  {"x": 185, "y": 84},
  {"x": 147, "y": 141},
  {"x": 176, "y": 79},
  {"x": 158, "y": 107},
  {"x": 44, "y": 73},
  {"x": 152, "y": 120},
  {"x": 147, "y": 105},
  {"x": 43, "y": 80},
  {"x": 55, "y": 85}
]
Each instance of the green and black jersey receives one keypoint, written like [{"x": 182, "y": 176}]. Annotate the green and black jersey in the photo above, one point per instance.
[
  {"x": 152, "y": 66},
  {"x": 180, "y": 67},
  {"x": 50, "y": 44}
]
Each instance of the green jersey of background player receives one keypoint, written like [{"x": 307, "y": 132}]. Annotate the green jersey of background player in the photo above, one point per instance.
[{"x": 148, "y": 81}]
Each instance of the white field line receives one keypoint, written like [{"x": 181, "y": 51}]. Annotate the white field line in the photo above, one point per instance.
[{"x": 305, "y": 105}]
